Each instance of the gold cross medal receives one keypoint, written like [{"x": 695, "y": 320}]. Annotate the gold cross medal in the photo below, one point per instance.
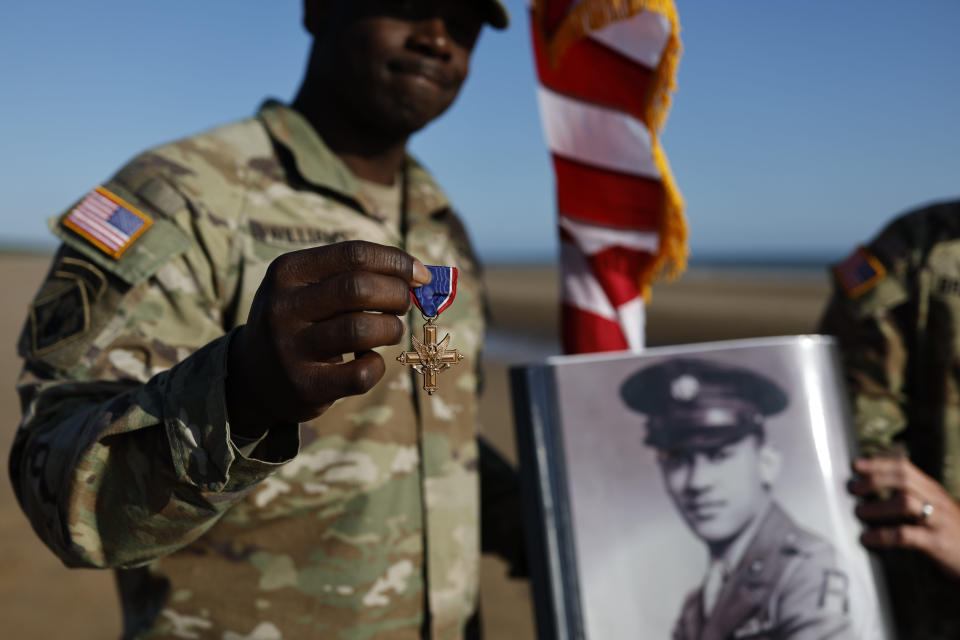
[{"x": 429, "y": 357}]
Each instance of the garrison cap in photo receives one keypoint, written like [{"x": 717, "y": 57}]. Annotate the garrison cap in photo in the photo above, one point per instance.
[{"x": 697, "y": 404}]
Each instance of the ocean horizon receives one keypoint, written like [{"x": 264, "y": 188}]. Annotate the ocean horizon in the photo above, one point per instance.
[{"x": 699, "y": 259}]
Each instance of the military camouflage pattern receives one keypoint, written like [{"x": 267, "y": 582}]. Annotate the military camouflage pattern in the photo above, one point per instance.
[
  {"x": 900, "y": 347},
  {"x": 364, "y": 525}
]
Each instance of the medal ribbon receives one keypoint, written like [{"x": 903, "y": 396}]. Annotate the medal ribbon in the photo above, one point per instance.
[{"x": 434, "y": 298}]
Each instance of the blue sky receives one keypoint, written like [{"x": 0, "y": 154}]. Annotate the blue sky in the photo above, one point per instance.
[{"x": 798, "y": 127}]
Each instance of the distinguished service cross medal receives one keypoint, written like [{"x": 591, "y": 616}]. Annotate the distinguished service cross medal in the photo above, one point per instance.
[{"x": 429, "y": 357}]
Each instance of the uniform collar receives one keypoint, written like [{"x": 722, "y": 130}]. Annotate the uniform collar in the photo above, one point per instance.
[
  {"x": 738, "y": 548},
  {"x": 319, "y": 166}
]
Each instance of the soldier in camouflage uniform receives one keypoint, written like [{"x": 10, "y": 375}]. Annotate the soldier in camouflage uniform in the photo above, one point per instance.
[
  {"x": 213, "y": 411},
  {"x": 896, "y": 314}
]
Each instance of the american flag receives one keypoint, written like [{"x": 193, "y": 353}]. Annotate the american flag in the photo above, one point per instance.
[
  {"x": 859, "y": 272},
  {"x": 606, "y": 70},
  {"x": 107, "y": 221}
]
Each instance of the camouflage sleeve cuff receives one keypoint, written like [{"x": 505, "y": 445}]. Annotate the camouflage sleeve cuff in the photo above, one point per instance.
[{"x": 195, "y": 419}]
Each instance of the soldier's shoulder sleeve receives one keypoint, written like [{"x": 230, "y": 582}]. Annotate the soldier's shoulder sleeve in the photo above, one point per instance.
[
  {"x": 214, "y": 168},
  {"x": 131, "y": 224},
  {"x": 883, "y": 274},
  {"x": 874, "y": 314},
  {"x": 871, "y": 313},
  {"x": 814, "y": 591},
  {"x": 810, "y": 546},
  {"x": 909, "y": 238},
  {"x": 126, "y": 341},
  {"x": 873, "y": 277},
  {"x": 166, "y": 216},
  {"x": 112, "y": 240}
]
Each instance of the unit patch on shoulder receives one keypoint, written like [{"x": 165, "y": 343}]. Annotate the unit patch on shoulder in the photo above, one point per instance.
[
  {"x": 859, "y": 273},
  {"x": 59, "y": 316},
  {"x": 108, "y": 221}
]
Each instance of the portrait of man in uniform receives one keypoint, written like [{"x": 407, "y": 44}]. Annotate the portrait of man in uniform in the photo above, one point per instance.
[{"x": 767, "y": 576}]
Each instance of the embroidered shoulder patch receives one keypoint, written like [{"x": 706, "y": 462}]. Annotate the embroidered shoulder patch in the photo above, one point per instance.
[
  {"x": 108, "y": 221},
  {"x": 859, "y": 273},
  {"x": 59, "y": 317}
]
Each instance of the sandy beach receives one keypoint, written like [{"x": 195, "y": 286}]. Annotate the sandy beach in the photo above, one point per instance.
[{"x": 41, "y": 599}]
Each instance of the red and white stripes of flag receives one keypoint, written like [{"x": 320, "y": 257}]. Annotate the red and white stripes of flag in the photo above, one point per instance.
[{"x": 606, "y": 68}]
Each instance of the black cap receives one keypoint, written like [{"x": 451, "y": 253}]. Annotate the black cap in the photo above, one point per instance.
[
  {"x": 496, "y": 14},
  {"x": 697, "y": 404}
]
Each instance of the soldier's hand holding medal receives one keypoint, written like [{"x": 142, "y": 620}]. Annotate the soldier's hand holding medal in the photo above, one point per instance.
[
  {"x": 286, "y": 364},
  {"x": 904, "y": 507}
]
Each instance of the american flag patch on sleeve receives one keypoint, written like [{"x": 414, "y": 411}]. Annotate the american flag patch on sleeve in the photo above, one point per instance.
[
  {"x": 109, "y": 222},
  {"x": 859, "y": 273}
]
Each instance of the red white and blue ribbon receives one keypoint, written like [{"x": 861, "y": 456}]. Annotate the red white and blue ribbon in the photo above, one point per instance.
[{"x": 435, "y": 298}]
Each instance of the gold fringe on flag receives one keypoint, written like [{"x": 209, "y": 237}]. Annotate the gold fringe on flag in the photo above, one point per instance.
[
  {"x": 671, "y": 259},
  {"x": 592, "y": 15}
]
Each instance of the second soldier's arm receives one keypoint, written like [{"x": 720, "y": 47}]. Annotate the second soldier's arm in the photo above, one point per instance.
[
  {"x": 877, "y": 335},
  {"x": 815, "y": 598},
  {"x": 872, "y": 333}
]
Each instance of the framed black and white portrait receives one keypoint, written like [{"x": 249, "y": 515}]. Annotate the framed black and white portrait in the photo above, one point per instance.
[{"x": 694, "y": 493}]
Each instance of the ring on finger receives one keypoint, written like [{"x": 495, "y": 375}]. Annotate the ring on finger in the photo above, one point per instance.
[{"x": 926, "y": 512}]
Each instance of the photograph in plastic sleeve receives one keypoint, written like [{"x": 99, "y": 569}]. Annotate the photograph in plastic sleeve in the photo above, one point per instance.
[{"x": 707, "y": 493}]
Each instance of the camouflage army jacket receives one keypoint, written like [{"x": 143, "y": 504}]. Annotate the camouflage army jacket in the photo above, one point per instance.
[
  {"x": 898, "y": 330},
  {"x": 361, "y": 524}
]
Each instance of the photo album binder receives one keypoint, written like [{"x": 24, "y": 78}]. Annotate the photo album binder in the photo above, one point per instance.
[{"x": 694, "y": 492}]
